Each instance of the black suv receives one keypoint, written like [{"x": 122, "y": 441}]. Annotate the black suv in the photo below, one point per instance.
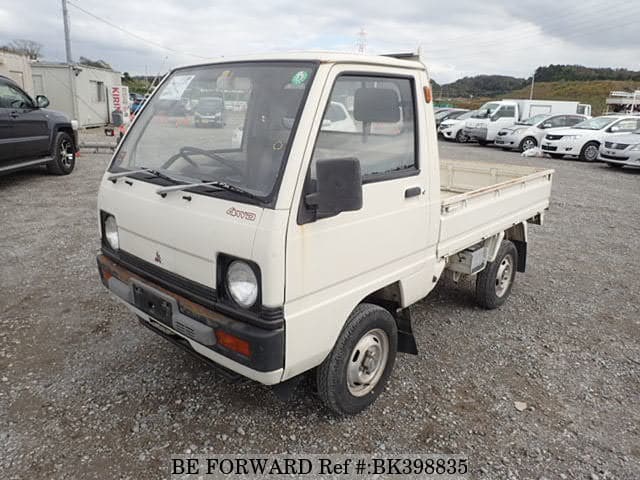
[{"x": 32, "y": 135}]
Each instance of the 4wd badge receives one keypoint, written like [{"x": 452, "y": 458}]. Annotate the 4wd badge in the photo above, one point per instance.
[{"x": 243, "y": 214}]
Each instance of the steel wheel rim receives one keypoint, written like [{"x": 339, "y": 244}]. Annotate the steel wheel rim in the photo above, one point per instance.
[
  {"x": 528, "y": 145},
  {"x": 367, "y": 362},
  {"x": 66, "y": 153},
  {"x": 504, "y": 276},
  {"x": 591, "y": 153}
]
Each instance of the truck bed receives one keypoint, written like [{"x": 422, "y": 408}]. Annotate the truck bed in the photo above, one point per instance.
[{"x": 481, "y": 199}]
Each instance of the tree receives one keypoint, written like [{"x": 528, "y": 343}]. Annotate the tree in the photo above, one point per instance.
[{"x": 28, "y": 48}]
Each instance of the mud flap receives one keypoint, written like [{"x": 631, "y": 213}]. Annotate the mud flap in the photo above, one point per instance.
[{"x": 406, "y": 340}]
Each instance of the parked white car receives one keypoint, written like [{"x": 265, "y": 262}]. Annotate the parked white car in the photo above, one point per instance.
[
  {"x": 452, "y": 129},
  {"x": 584, "y": 139},
  {"x": 528, "y": 133},
  {"x": 620, "y": 150},
  {"x": 338, "y": 119}
]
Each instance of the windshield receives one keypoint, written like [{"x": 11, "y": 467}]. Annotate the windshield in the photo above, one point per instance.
[
  {"x": 597, "y": 123},
  {"x": 534, "y": 120},
  {"x": 486, "y": 110},
  {"x": 229, "y": 123}
]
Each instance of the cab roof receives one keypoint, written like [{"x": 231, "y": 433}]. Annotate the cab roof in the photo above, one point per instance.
[{"x": 396, "y": 60}]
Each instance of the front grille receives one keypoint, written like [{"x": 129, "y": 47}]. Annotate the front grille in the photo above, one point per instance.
[
  {"x": 549, "y": 148},
  {"x": 553, "y": 137},
  {"x": 611, "y": 157},
  {"x": 616, "y": 146}
]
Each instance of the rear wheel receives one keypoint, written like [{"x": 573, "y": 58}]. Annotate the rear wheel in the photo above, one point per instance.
[
  {"x": 556, "y": 155},
  {"x": 528, "y": 143},
  {"x": 494, "y": 283},
  {"x": 589, "y": 152},
  {"x": 64, "y": 155},
  {"x": 357, "y": 369}
]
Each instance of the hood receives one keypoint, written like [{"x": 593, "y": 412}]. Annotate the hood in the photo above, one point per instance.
[
  {"x": 58, "y": 116},
  {"x": 179, "y": 235},
  {"x": 451, "y": 122},
  {"x": 624, "y": 138},
  {"x": 569, "y": 131}
]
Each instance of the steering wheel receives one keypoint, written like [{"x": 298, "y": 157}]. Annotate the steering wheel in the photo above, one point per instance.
[{"x": 185, "y": 153}]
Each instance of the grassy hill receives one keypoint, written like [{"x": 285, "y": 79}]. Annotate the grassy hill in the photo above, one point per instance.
[{"x": 591, "y": 92}]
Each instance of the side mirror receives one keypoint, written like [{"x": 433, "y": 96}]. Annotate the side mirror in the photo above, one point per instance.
[
  {"x": 494, "y": 118},
  {"x": 615, "y": 128},
  {"x": 339, "y": 187},
  {"x": 547, "y": 125},
  {"x": 42, "y": 101}
]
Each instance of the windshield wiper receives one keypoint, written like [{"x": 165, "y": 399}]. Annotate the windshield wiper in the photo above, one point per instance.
[
  {"x": 217, "y": 184},
  {"x": 150, "y": 171}
]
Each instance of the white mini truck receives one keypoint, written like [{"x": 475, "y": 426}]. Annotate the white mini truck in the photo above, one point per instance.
[{"x": 299, "y": 247}]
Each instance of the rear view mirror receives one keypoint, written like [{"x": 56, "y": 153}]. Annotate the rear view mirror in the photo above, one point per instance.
[
  {"x": 376, "y": 105},
  {"x": 42, "y": 101},
  {"x": 338, "y": 187}
]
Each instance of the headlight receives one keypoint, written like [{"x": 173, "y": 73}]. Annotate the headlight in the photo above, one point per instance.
[
  {"x": 519, "y": 130},
  {"x": 111, "y": 232},
  {"x": 636, "y": 147},
  {"x": 242, "y": 283},
  {"x": 571, "y": 137}
]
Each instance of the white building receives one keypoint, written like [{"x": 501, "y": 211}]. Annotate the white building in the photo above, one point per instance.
[
  {"x": 18, "y": 69},
  {"x": 83, "y": 92}
]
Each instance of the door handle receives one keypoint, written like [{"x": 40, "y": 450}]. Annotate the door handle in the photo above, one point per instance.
[
  {"x": 14, "y": 114},
  {"x": 412, "y": 192}
]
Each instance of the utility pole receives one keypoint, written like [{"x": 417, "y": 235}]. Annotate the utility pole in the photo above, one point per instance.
[
  {"x": 361, "y": 43},
  {"x": 533, "y": 81},
  {"x": 67, "y": 38}
]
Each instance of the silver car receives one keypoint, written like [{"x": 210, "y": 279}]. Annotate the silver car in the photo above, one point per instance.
[
  {"x": 621, "y": 150},
  {"x": 528, "y": 133}
]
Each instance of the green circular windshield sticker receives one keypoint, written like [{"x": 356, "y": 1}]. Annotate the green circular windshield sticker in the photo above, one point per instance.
[{"x": 300, "y": 77}]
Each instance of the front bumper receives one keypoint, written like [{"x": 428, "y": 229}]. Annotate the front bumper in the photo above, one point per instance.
[
  {"x": 617, "y": 157},
  {"x": 197, "y": 327},
  {"x": 449, "y": 132},
  {"x": 511, "y": 140},
  {"x": 561, "y": 147},
  {"x": 476, "y": 133}
]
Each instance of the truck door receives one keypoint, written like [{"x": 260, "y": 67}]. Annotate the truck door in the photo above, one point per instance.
[
  {"x": 505, "y": 116},
  {"x": 332, "y": 261}
]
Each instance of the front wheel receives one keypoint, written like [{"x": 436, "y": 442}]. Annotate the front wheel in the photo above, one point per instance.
[
  {"x": 494, "y": 283},
  {"x": 356, "y": 371},
  {"x": 461, "y": 137},
  {"x": 589, "y": 152},
  {"x": 64, "y": 155},
  {"x": 528, "y": 143}
]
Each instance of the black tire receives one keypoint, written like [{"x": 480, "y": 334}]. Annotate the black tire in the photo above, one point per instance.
[
  {"x": 557, "y": 156},
  {"x": 615, "y": 165},
  {"x": 491, "y": 292},
  {"x": 333, "y": 380},
  {"x": 64, "y": 155},
  {"x": 461, "y": 137},
  {"x": 527, "y": 143},
  {"x": 587, "y": 153}
]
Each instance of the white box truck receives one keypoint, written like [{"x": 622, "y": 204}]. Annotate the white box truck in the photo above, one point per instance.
[
  {"x": 494, "y": 116},
  {"x": 298, "y": 247}
]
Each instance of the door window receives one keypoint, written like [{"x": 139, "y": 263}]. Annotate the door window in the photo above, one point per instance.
[
  {"x": 11, "y": 97},
  {"x": 626, "y": 125},
  {"x": 383, "y": 141},
  {"x": 505, "y": 112}
]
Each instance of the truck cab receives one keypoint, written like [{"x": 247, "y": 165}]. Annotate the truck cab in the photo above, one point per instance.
[{"x": 281, "y": 244}]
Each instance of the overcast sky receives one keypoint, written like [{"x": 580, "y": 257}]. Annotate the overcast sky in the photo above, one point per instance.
[{"x": 458, "y": 37}]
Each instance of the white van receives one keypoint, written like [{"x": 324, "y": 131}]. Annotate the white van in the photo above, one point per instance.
[{"x": 494, "y": 116}]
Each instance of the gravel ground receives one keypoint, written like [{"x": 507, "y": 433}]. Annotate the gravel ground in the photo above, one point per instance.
[{"x": 86, "y": 392}]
